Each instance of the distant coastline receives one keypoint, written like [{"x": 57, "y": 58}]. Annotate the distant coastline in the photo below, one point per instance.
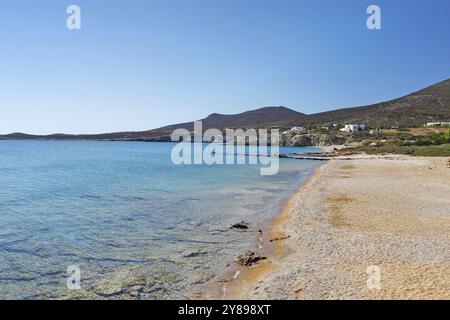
[{"x": 415, "y": 109}]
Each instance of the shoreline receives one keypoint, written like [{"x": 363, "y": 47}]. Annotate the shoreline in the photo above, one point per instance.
[
  {"x": 328, "y": 250},
  {"x": 270, "y": 246},
  {"x": 263, "y": 241},
  {"x": 274, "y": 250}
]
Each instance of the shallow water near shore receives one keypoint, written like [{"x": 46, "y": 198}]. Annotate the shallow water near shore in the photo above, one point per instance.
[{"x": 135, "y": 224}]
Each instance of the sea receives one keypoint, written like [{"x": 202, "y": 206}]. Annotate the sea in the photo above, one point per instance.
[{"x": 120, "y": 220}]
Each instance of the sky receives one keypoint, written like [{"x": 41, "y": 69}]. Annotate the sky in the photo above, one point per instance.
[{"x": 137, "y": 65}]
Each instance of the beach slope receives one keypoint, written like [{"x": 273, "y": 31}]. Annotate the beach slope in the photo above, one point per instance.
[{"x": 362, "y": 229}]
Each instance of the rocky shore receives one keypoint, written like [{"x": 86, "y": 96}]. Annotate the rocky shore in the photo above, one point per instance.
[{"x": 308, "y": 140}]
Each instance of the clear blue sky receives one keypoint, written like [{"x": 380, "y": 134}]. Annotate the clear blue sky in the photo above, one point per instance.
[{"x": 137, "y": 65}]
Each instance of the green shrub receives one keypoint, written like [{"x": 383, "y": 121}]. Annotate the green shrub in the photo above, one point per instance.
[
  {"x": 442, "y": 150},
  {"x": 433, "y": 151},
  {"x": 407, "y": 143},
  {"x": 435, "y": 139},
  {"x": 394, "y": 141},
  {"x": 367, "y": 143}
]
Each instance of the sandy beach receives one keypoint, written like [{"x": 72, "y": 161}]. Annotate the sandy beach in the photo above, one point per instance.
[{"x": 389, "y": 215}]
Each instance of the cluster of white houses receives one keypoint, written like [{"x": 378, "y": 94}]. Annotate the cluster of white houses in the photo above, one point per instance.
[
  {"x": 353, "y": 128},
  {"x": 347, "y": 128},
  {"x": 296, "y": 130}
]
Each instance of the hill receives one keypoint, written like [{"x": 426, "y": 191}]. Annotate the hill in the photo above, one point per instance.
[{"x": 415, "y": 109}]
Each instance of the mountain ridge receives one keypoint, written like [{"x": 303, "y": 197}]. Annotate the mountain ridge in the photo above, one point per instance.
[{"x": 425, "y": 105}]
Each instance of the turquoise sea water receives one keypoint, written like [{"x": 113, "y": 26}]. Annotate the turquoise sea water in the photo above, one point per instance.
[{"x": 136, "y": 224}]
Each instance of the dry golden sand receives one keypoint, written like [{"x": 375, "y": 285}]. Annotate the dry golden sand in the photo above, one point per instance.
[{"x": 392, "y": 212}]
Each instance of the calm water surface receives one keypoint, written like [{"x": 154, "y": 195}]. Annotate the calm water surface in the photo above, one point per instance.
[{"x": 135, "y": 224}]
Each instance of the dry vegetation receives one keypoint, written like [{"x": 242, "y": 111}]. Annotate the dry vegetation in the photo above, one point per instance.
[{"x": 431, "y": 142}]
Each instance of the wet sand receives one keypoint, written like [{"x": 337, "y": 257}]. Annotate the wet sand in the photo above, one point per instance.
[{"x": 353, "y": 218}]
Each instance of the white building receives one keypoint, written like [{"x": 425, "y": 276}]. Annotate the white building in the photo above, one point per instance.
[
  {"x": 298, "y": 130},
  {"x": 353, "y": 128},
  {"x": 295, "y": 130},
  {"x": 440, "y": 123}
]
